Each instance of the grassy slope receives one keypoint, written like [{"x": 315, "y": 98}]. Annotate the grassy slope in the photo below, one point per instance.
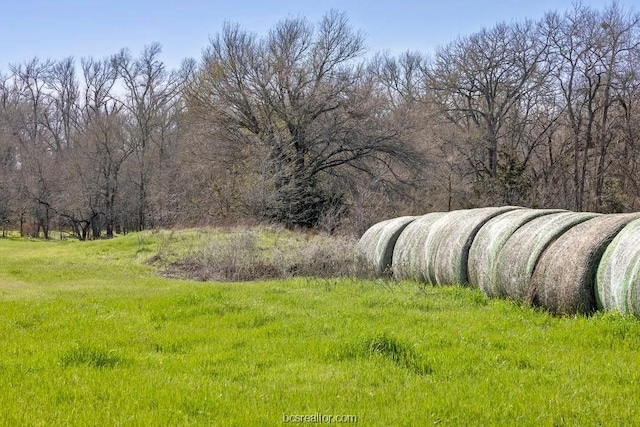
[{"x": 92, "y": 336}]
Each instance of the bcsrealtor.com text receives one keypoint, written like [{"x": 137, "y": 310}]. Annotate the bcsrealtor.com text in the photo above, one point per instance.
[{"x": 319, "y": 419}]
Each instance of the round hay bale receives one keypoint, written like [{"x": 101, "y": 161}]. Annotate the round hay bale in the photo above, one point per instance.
[
  {"x": 487, "y": 243},
  {"x": 564, "y": 277},
  {"x": 517, "y": 258},
  {"x": 374, "y": 252},
  {"x": 618, "y": 277},
  {"x": 409, "y": 251},
  {"x": 449, "y": 240},
  {"x": 366, "y": 247}
]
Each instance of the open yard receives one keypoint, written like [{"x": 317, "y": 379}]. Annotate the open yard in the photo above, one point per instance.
[{"x": 93, "y": 335}]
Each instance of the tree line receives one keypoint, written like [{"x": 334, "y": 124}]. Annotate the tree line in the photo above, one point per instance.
[{"x": 302, "y": 126}]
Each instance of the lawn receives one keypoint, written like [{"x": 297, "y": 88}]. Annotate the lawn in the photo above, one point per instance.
[{"x": 93, "y": 335}]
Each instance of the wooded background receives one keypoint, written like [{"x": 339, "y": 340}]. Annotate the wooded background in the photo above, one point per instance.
[{"x": 303, "y": 126}]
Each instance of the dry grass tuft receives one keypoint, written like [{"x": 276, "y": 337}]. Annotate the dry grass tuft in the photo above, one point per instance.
[
  {"x": 409, "y": 254},
  {"x": 564, "y": 278},
  {"x": 618, "y": 276},
  {"x": 374, "y": 252},
  {"x": 517, "y": 258},
  {"x": 449, "y": 241},
  {"x": 487, "y": 243},
  {"x": 322, "y": 256}
]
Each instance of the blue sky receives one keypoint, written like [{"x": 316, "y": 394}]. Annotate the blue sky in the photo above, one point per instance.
[{"x": 59, "y": 28}]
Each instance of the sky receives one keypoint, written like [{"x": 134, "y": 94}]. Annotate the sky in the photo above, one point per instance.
[{"x": 56, "y": 29}]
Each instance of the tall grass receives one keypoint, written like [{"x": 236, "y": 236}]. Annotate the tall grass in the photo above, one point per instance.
[
  {"x": 93, "y": 335},
  {"x": 238, "y": 254}
]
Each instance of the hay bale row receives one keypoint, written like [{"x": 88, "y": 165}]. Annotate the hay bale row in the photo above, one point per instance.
[
  {"x": 564, "y": 278},
  {"x": 410, "y": 254},
  {"x": 488, "y": 243},
  {"x": 374, "y": 252},
  {"x": 618, "y": 275},
  {"x": 449, "y": 241},
  {"x": 548, "y": 258},
  {"x": 517, "y": 258}
]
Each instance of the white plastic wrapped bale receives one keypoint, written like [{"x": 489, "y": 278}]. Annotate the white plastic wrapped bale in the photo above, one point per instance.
[
  {"x": 488, "y": 242},
  {"x": 374, "y": 252},
  {"x": 449, "y": 240},
  {"x": 517, "y": 258},
  {"x": 409, "y": 252},
  {"x": 563, "y": 281},
  {"x": 618, "y": 277}
]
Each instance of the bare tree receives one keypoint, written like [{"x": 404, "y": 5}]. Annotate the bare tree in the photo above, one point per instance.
[
  {"x": 94, "y": 164},
  {"x": 480, "y": 82},
  {"x": 37, "y": 150},
  {"x": 573, "y": 46},
  {"x": 300, "y": 95},
  {"x": 402, "y": 78},
  {"x": 621, "y": 41},
  {"x": 62, "y": 115},
  {"x": 150, "y": 100},
  {"x": 593, "y": 51},
  {"x": 8, "y": 154}
]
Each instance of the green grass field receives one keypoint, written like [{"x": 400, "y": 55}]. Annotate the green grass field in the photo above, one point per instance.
[{"x": 92, "y": 335}]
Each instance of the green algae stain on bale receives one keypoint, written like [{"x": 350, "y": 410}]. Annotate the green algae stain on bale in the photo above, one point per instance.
[
  {"x": 488, "y": 242},
  {"x": 517, "y": 258},
  {"x": 449, "y": 241},
  {"x": 618, "y": 276},
  {"x": 409, "y": 253},
  {"x": 374, "y": 252},
  {"x": 564, "y": 278}
]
